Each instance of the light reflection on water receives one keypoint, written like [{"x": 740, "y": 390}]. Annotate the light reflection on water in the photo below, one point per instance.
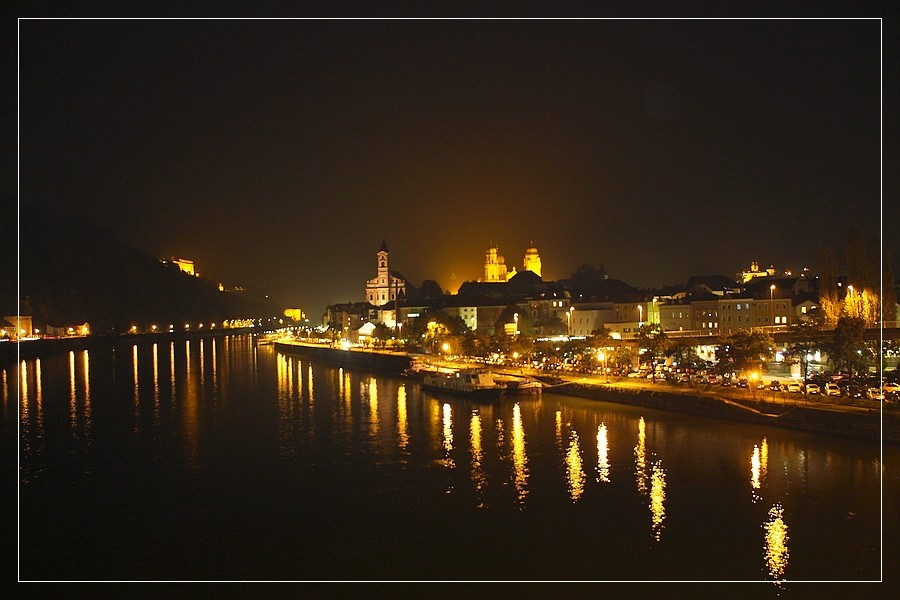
[
  {"x": 574, "y": 468},
  {"x": 776, "y": 547},
  {"x": 657, "y": 498},
  {"x": 602, "y": 453},
  {"x": 402, "y": 419},
  {"x": 520, "y": 458},
  {"x": 640, "y": 458},
  {"x": 245, "y": 432}
]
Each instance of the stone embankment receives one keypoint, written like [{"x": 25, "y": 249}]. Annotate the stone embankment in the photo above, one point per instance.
[
  {"x": 369, "y": 360},
  {"x": 843, "y": 421}
]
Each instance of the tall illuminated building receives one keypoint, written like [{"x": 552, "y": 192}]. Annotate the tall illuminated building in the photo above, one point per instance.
[
  {"x": 533, "y": 260},
  {"x": 386, "y": 286}
]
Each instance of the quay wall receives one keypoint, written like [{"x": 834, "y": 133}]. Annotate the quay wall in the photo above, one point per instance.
[
  {"x": 857, "y": 425},
  {"x": 389, "y": 362}
]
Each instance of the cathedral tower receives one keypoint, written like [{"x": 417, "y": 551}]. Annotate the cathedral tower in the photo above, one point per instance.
[
  {"x": 533, "y": 260},
  {"x": 494, "y": 265}
]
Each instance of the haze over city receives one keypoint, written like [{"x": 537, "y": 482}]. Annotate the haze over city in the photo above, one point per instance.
[{"x": 279, "y": 154}]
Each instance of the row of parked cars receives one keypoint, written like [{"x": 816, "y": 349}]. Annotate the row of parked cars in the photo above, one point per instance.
[{"x": 871, "y": 389}]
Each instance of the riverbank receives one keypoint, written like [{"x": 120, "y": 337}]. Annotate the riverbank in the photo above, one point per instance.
[
  {"x": 864, "y": 424},
  {"x": 354, "y": 358},
  {"x": 831, "y": 419},
  {"x": 37, "y": 348}
]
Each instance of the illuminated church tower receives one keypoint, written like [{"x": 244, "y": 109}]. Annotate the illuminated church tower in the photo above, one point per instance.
[
  {"x": 494, "y": 265},
  {"x": 387, "y": 285},
  {"x": 533, "y": 260}
]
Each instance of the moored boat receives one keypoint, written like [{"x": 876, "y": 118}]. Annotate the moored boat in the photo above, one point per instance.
[
  {"x": 519, "y": 385},
  {"x": 477, "y": 383}
]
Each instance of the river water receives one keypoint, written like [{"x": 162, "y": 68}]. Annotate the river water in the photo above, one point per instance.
[{"x": 218, "y": 459}]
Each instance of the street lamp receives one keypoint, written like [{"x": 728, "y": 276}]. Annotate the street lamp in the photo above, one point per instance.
[
  {"x": 772, "y": 302},
  {"x": 569, "y": 319},
  {"x": 602, "y": 357},
  {"x": 640, "y": 315},
  {"x": 516, "y": 317}
]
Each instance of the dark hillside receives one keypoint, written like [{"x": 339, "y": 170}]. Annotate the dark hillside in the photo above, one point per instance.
[{"x": 74, "y": 272}]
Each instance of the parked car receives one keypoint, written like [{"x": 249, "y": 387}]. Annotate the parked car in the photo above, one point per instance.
[
  {"x": 743, "y": 382},
  {"x": 794, "y": 387},
  {"x": 813, "y": 388},
  {"x": 832, "y": 389},
  {"x": 855, "y": 391},
  {"x": 873, "y": 393},
  {"x": 890, "y": 386},
  {"x": 775, "y": 386}
]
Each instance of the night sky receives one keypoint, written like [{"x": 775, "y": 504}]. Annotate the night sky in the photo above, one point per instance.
[{"x": 279, "y": 154}]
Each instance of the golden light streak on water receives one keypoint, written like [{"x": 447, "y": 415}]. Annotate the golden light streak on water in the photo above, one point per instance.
[
  {"x": 156, "y": 382},
  {"x": 373, "y": 407},
  {"x": 434, "y": 420},
  {"x": 348, "y": 395},
  {"x": 24, "y": 412},
  {"x": 191, "y": 417},
  {"x": 575, "y": 476},
  {"x": 520, "y": 458},
  {"x": 776, "y": 547},
  {"x": 402, "y": 419},
  {"x": 172, "y": 368},
  {"x": 87, "y": 393},
  {"x": 754, "y": 470},
  {"x": 5, "y": 389},
  {"x": 214, "y": 364},
  {"x": 310, "y": 389},
  {"x": 657, "y": 498},
  {"x": 137, "y": 391},
  {"x": 640, "y": 458},
  {"x": 187, "y": 356},
  {"x": 447, "y": 439},
  {"x": 37, "y": 388},
  {"x": 286, "y": 411},
  {"x": 602, "y": 454},
  {"x": 759, "y": 466},
  {"x": 23, "y": 388},
  {"x": 498, "y": 427},
  {"x": 559, "y": 428},
  {"x": 73, "y": 395},
  {"x": 478, "y": 476},
  {"x": 280, "y": 377}
]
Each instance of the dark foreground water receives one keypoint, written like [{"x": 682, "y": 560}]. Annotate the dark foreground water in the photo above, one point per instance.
[{"x": 220, "y": 460}]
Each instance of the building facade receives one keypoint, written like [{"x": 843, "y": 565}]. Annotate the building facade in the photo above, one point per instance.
[
  {"x": 387, "y": 286},
  {"x": 532, "y": 260}
]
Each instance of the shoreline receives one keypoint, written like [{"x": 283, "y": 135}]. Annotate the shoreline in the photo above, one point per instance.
[
  {"x": 848, "y": 422},
  {"x": 37, "y": 348},
  {"x": 871, "y": 425}
]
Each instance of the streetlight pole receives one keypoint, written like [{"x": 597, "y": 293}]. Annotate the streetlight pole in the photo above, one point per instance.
[
  {"x": 851, "y": 305},
  {"x": 516, "y": 317},
  {"x": 569, "y": 318},
  {"x": 772, "y": 303}
]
